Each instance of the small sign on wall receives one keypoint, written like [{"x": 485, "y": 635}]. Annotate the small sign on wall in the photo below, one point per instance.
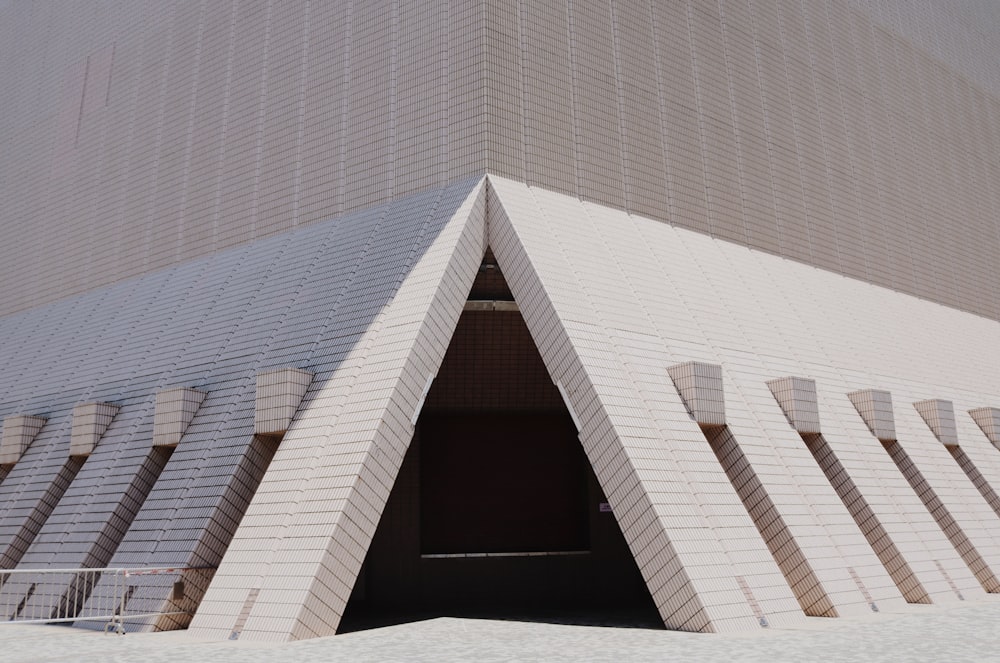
[{"x": 604, "y": 507}]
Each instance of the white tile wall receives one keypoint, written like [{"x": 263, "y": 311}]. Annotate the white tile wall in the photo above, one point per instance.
[
  {"x": 306, "y": 531},
  {"x": 301, "y": 300},
  {"x": 278, "y": 395},
  {"x": 151, "y": 138},
  {"x": 797, "y": 398},
  {"x": 18, "y": 432},
  {"x": 855, "y": 135},
  {"x": 940, "y": 417},
  {"x": 90, "y": 421},
  {"x": 686, "y": 296},
  {"x": 175, "y": 409}
]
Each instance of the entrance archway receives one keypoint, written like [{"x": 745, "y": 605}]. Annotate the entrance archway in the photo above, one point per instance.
[{"x": 495, "y": 511}]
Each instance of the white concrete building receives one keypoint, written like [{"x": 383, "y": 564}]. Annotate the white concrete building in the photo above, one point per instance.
[{"x": 354, "y": 308}]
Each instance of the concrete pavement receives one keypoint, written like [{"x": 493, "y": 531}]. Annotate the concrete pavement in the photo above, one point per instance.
[{"x": 916, "y": 633}]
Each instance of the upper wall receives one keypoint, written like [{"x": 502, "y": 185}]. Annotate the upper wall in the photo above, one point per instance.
[
  {"x": 961, "y": 33},
  {"x": 799, "y": 127},
  {"x": 135, "y": 135}
]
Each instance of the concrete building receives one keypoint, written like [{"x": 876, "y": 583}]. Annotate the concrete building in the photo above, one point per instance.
[{"x": 684, "y": 307}]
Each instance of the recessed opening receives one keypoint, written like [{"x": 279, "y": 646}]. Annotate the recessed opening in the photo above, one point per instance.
[
  {"x": 495, "y": 511},
  {"x": 501, "y": 482}
]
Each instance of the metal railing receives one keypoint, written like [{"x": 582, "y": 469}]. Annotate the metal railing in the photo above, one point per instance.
[{"x": 51, "y": 596}]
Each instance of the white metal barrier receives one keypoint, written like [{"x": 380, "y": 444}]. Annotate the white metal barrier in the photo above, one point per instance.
[{"x": 50, "y": 596}]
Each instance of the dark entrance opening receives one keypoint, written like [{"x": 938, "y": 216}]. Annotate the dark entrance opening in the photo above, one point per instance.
[
  {"x": 495, "y": 511},
  {"x": 502, "y": 482}
]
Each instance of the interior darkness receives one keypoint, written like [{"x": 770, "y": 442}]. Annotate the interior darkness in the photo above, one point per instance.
[
  {"x": 495, "y": 511},
  {"x": 521, "y": 479}
]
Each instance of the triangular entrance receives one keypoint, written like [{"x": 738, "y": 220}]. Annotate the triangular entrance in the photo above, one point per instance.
[{"x": 496, "y": 510}]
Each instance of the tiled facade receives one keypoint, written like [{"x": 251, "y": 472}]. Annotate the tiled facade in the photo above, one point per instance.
[
  {"x": 857, "y": 136},
  {"x": 753, "y": 243}
]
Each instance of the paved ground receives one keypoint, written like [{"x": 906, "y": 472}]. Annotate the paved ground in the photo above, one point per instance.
[{"x": 968, "y": 632}]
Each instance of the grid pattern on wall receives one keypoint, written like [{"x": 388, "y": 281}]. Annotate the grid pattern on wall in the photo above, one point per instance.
[
  {"x": 662, "y": 296},
  {"x": 192, "y": 193},
  {"x": 855, "y": 136},
  {"x": 303, "y": 299},
  {"x": 665, "y": 295}
]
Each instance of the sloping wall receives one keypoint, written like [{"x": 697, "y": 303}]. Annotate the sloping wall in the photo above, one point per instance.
[{"x": 305, "y": 299}]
